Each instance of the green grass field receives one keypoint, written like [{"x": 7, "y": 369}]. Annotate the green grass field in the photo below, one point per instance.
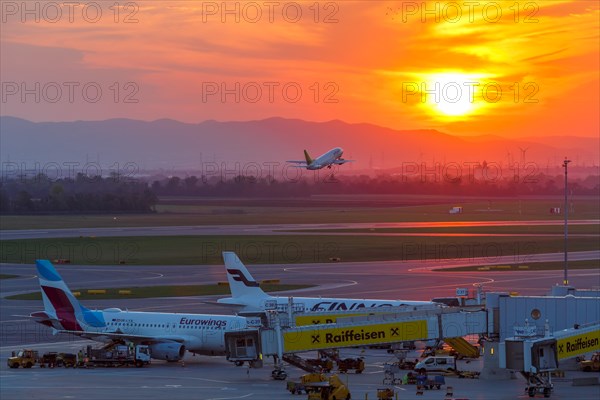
[
  {"x": 344, "y": 209},
  {"x": 278, "y": 249},
  {"x": 160, "y": 291},
  {"x": 286, "y": 249}
]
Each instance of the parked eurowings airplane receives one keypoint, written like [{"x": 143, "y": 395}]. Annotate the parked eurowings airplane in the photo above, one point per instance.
[
  {"x": 248, "y": 296},
  {"x": 168, "y": 335},
  {"x": 332, "y": 157}
]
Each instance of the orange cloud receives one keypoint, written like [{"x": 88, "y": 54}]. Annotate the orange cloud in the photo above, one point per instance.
[{"x": 349, "y": 59}]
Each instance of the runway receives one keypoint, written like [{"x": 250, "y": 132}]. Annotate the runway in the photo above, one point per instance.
[{"x": 273, "y": 229}]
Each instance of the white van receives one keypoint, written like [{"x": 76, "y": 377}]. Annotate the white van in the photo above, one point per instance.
[{"x": 437, "y": 363}]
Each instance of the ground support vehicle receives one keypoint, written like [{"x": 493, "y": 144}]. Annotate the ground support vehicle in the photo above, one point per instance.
[
  {"x": 593, "y": 364},
  {"x": 420, "y": 379},
  {"x": 357, "y": 364},
  {"x": 304, "y": 384},
  {"x": 437, "y": 363},
  {"x": 403, "y": 362},
  {"x": 332, "y": 389},
  {"x": 468, "y": 374},
  {"x": 295, "y": 387},
  {"x": 437, "y": 381},
  {"x": 385, "y": 394},
  {"x": 25, "y": 358},
  {"x": 402, "y": 346},
  {"x": 54, "y": 359},
  {"x": 325, "y": 365},
  {"x": 538, "y": 383},
  {"x": 115, "y": 356},
  {"x": 28, "y": 358}
]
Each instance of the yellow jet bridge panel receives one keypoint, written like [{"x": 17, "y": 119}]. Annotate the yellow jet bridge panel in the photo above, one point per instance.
[
  {"x": 577, "y": 344},
  {"x": 329, "y": 337}
]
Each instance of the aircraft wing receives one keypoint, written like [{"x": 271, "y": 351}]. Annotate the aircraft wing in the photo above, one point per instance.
[
  {"x": 297, "y": 162},
  {"x": 230, "y": 301},
  {"x": 340, "y": 162},
  {"x": 124, "y": 336},
  {"x": 214, "y": 303}
]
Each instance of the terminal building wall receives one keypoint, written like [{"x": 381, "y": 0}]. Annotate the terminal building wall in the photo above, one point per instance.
[{"x": 560, "y": 312}]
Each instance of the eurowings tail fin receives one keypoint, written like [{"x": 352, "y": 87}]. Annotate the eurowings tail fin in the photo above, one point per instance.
[
  {"x": 62, "y": 310},
  {"x": 241, "y": 283},
  {"x": 308, "y": 159}
]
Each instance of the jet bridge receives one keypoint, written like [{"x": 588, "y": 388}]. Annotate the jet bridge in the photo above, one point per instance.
[
  {"x": 352, "y": 331},
  {"x": 525, "y": 353},
  {"x": 536, "y": 357}
]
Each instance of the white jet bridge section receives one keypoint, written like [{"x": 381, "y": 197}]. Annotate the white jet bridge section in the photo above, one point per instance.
[{"x": 536, "y": 357}]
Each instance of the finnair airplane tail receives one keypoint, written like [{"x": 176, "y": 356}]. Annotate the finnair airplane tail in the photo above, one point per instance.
[
  {"x": 241, "y": 282},
  {"x": 62, "y": 310},
  {"x": 245, "y": 291}
]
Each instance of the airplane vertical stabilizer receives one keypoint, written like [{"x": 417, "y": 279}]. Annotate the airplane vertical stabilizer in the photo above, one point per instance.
[
  {"x": 59, "y": 302},
  {"x": 308, "y": 159},
  {"x": 241, "y": 283}
]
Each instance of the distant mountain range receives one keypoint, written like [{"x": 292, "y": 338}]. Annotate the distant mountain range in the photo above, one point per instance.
[{"x": 172, "y": 145}]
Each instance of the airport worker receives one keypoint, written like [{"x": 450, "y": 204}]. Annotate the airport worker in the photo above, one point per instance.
[
  {"x": 80, "y": 357},
  {"x": 422, "y": 377}
]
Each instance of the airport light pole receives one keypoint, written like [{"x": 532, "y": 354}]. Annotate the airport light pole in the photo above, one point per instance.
[{"x": 565, "y": 166}]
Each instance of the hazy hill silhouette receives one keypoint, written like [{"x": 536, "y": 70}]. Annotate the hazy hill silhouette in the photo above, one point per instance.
[{"x": 171, "y": 144}]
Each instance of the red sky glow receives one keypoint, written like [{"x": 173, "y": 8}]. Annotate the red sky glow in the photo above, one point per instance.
[{"x": 513, "y": 69}]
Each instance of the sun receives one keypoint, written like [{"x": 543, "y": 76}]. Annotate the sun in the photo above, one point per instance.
[{"x": 451, "y": 94}]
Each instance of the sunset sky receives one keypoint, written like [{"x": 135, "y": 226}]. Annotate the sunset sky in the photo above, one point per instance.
[{"x": 531, "y": 67}]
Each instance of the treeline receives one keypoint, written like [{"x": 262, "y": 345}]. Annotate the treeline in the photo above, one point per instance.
[
  {"x": 242, "y": 186},
  {"x": 82, "y": 194}
]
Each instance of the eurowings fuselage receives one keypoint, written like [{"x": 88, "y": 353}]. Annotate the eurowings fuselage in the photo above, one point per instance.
[{"x": 169, "y": 335}]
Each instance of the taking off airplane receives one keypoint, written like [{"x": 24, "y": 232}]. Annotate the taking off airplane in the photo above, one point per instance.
[
  {"x": 332, "y": 157},
  {"x": 168, "y": 335}
]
